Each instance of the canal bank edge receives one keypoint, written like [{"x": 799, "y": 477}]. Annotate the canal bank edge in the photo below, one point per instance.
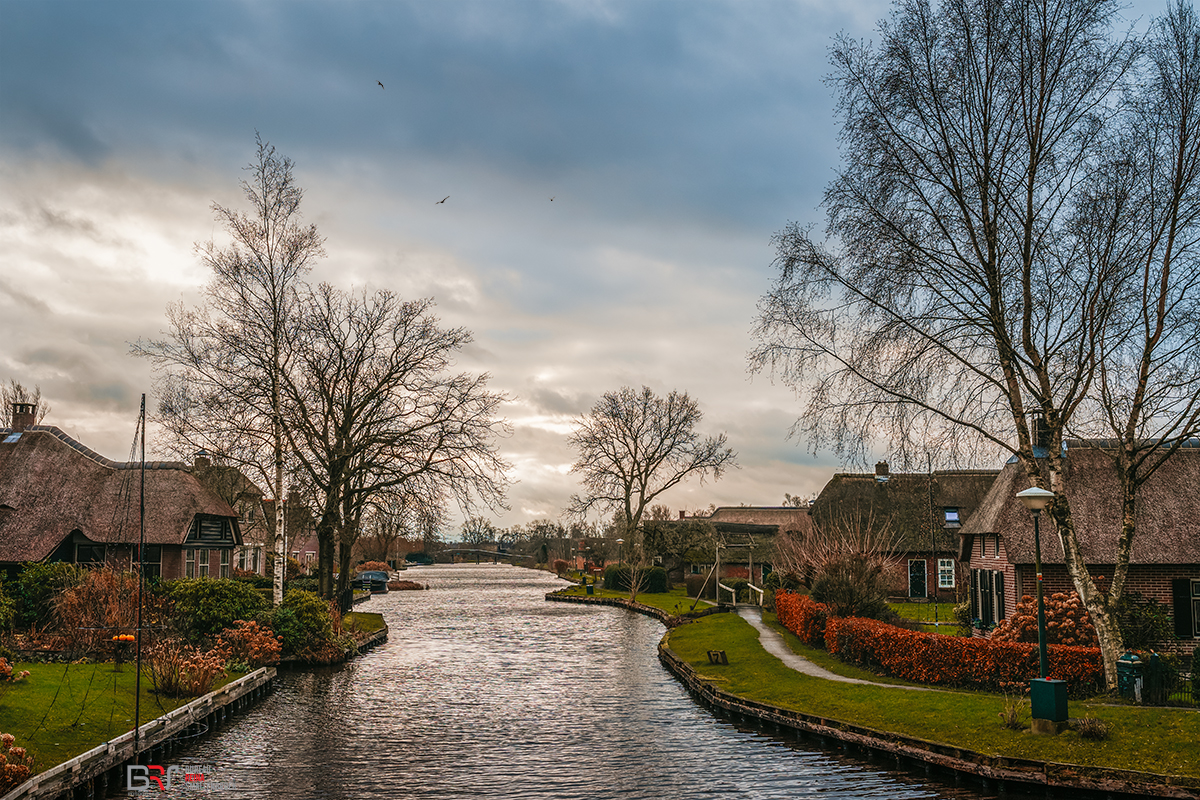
[
  {"x": 211, "y": 709},
  {"x": 994, "y": 772}
]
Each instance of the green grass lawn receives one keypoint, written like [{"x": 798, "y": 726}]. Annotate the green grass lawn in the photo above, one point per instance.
[
  {"x": 1157, "y": 740},
  {"x": 63, "y": 710}
]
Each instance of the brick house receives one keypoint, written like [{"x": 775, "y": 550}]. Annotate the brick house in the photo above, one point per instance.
[
  {"x": 997, "y": 542},
  {"x": 243, "y": 495},
  {"x": 922, "y": 514},
  {"x": 61, "y": 501}
]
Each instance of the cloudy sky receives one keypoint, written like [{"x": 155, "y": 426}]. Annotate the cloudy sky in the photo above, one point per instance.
[{"x": 673, "y": 137}]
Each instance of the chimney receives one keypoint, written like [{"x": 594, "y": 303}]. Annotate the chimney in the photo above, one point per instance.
[
  {"x": 202, "y": 460},
  {"x": 24, "y": 415},
  {"x": 881, "y": 469},
  {"x": 682, "y": 514}
]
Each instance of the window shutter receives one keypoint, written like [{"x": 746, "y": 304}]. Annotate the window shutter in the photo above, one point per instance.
[
  {"x": 999, "y": 596},
  {"x": 1181, "y": 594},
  {"x": 974, "y": 594}
]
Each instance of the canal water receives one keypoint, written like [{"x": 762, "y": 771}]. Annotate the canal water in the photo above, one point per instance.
[{"x": 485, "y": 690}]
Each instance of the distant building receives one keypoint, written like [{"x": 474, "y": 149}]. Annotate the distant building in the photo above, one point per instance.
[
  {"x": 61, "y": 501},
  {"x": 922, "y": 514},
  {"x": 231, "y": 485}
]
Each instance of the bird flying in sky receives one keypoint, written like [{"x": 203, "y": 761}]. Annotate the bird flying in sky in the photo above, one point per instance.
[
  {"x": 444, "y": 199},
  {"x": 381, "y": 86}
]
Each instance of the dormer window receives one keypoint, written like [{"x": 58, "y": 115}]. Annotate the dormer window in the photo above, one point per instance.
[{"x": 951, "y": 517}]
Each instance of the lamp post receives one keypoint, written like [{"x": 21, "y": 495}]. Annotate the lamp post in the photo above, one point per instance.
[
  {"x": 620, "y": 546},
  {"x": 1035, "y": 499},
  {"x": 1048, "y": 698}
]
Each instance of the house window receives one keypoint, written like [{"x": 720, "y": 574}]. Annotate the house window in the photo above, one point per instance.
[
  {"x": 224, "y": 563},
  {"x": 201, "y": 563},
  {"x": 309, "y": 556},
  {"x": 189, "y": 568},
  {"x": 255, "y": 556},
  {"x": 951, "y": 517},
  {"x": 945, "y": 573},
  {"x": 152, "y": 560},
  {"x": 241, "y": 559},
  {"x": 89, "y": 554}
]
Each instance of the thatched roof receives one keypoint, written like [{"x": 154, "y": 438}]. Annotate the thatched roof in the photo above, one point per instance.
[
  {"x": 1167, "y": 514},
  {"x": 910, "y": 504},
  {"x": 783, "y": 518},
  {"x": 51, "y": 486}
]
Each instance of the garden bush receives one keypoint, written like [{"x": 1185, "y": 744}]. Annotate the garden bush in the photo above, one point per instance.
[
  {"x": 853, "y": 586},
  {"x": 1144, "y": 623},
  {"x": 560, "y": 566},
  {"x": 312, "y": 614},
  {"x": 617, "y": 577},
  {"x": 36, "y": 587},
  {"x": 8, "y": 607},
  {"x": 1196, "y": 675},
  {"x": 249, "y": 643},
  {"x": 15, "y": 764},
  {"x": 8, "y": 676},
  {"x": 1067, "y": 622},
  {"x": 101, "y": 606},
  {"x": 655, "y": 581},
  {"x": 304, "y": 584},
  {"x": 206, "y": 606},
  {"x": 373, "y": 566},
  {"x": 181, "y": 670}
]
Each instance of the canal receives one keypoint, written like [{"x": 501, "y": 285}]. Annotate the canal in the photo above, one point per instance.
[{"x": 484, "y": 689}]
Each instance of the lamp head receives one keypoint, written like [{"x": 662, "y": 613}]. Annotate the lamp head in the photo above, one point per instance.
[{"x": 1035, "y": 498}]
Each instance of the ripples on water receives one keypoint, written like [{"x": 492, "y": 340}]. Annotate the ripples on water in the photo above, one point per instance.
[{"x": 484, "y": 689}]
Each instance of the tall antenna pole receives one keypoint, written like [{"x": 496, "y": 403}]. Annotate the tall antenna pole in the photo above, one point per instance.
[{"x": 137, "y": 699}]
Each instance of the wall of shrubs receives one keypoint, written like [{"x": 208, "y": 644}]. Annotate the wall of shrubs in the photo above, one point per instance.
[{"x": 930, "y": 658}]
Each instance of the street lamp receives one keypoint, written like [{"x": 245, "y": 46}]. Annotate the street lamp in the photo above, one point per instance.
[
  {"x": 1036, "y": 499},
  {"x": 1048, "y": 698},
  {"x": 620, "y": 545}
]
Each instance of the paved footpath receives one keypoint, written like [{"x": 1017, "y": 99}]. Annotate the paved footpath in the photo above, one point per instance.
[{"x": 774, "y": 644}]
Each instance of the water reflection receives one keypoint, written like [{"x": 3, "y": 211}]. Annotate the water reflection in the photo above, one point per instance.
[{"x": 486, "y": 690}]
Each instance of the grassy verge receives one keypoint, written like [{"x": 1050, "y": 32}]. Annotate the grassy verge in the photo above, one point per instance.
[
  {"x": 1157, "y": 740},
  {"x": 362, "y": 621},
  {"x": 674, "y": 601},
  {"x": 63, "y": 710}
]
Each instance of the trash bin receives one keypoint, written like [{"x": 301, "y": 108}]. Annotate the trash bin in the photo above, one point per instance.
[
  {"x": 590, "y": 587},
  {"x": 1129, "y": 677}
]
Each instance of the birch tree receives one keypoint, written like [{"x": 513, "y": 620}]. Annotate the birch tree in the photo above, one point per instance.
[{"x": 224, "y": 361}]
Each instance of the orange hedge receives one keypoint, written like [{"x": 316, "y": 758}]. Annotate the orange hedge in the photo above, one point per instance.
[
  {"x": 931, "y": 658},
  {"x": 803, "y": 616}
]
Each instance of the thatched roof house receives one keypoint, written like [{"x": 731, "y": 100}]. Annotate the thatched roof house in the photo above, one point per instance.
[
  {"x": 60, "y": 500},
  {"x": 920, "y": 512},
  {"x": 998, "y": 543}
]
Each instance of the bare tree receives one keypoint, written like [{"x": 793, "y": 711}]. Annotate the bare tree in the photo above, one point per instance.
[
  {"x": 397, "y": 517},
  {"x": 225, "y": 360},
  {"x": 633, "y": 446},
  {"x": 373, "y": 406},
  {"x": 478, "y": 531},
  {"x": 16, "y": 393},
  {"x": 1006, "y": 171}
]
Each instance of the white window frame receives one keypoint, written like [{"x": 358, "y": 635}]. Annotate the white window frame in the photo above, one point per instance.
[
  {"x": 945, "y": 572},
  {"x": 189, "y": 564},
  {"x": 203, "y": 563},
  {"x": 224, "y": 563}
]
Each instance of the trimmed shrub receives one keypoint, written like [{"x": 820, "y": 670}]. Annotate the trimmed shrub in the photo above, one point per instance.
[
  {"x": 802, "y": 616},
  {"x": 655, "y": 581},
  {"x": 617, "y": 577},
  {"x": 1144, "y": 623},
  {"x": 972, "y": 663},
  {"x": 560, "y": 566},
  {"x": 373, "y": 566},
  {"x": 695, "y": 583},
  {"x": 206, "y": 606}
]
